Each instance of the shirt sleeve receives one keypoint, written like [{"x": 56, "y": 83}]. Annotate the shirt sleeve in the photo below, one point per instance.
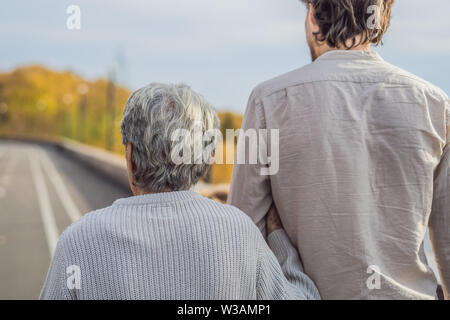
[
  {"x": 55, "y": 286},
  {"x": 439, "y": 223},
  {"x": 250, "y": 190},
  {"x": 280, "y": 273}
]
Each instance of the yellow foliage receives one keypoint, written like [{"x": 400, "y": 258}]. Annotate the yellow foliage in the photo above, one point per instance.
[{"x": 223, "y": 167}]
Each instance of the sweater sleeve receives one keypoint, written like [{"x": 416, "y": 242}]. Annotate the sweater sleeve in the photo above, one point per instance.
[
  {"x": 280, "y": 273},
  {"x": 56, "y": 286}
]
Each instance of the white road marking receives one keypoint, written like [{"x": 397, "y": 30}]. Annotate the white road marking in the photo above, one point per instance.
[
  {"x": 64, "y": 195},
  {"x": 47, "y": 215},
  {"x": 9, "y": 168}
]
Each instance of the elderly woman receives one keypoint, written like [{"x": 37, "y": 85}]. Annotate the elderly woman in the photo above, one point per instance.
[{"x": 167, "y": 242}]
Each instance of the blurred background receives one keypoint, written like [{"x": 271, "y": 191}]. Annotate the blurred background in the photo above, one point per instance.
[{"x": 63, "y": 88}]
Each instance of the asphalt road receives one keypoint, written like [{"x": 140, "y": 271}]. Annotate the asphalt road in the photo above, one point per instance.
[{"x": 42, "y": 191}]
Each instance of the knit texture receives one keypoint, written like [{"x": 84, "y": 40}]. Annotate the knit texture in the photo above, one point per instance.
[{"x": 175, "y": 245}]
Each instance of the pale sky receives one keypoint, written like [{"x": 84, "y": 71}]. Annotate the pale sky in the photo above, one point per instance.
[{"x": 221, "y": 48}]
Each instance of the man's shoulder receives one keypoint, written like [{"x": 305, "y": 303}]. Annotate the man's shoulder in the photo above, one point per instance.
[
  {"x": 404, "y": 77},
  {"x": 229, "y": 212},
  {"x": 316, "y": 72},
  {"x": 284, "y": 81}
]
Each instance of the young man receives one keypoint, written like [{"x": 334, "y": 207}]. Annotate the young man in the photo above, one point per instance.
[{"x": 364, "y": 160}]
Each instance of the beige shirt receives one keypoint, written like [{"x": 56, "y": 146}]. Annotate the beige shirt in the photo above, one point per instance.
[{"x": 364, "y": 159}]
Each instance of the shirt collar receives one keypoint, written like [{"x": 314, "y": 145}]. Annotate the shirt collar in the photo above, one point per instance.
[
  {"x": 349, "y": 55},
  {"x": 158, "y": 198}
]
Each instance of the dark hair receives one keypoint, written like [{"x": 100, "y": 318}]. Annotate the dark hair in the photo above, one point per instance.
[{"x": 341, "y": 21}]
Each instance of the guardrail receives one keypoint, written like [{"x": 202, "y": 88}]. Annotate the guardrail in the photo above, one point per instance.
[{"x": 108, "y": 164}]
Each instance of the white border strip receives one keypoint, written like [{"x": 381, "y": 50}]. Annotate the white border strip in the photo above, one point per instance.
[
  {"x": 47, "y": 215},
  {"x": 64, "y": 195}
]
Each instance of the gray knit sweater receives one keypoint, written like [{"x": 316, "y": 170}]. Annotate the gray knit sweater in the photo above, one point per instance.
[{"x": 175, "y": 245}]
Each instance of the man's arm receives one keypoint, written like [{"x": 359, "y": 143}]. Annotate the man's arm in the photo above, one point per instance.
[
  {"x": 280, "y": 271},
  {"x": 250, "y": 191},
  {"x": 439, "y": 223}
]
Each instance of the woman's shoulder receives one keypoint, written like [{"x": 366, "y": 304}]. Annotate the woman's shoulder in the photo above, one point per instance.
[
  {"x": 87, "y": 222},
  {"x": 227, "y": 211}
]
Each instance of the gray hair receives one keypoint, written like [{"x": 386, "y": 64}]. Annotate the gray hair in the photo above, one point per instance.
[{"x": 152, "y": 115}]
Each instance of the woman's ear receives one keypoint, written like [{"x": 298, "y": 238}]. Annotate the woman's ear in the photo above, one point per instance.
[
  {"x": 128, "y": 153},
  {"x": 130, "y": 167},
  {"x": 129, "y": 158}
]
